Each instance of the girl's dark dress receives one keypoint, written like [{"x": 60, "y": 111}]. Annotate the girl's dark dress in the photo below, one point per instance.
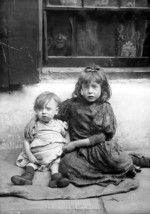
[{"x": 103, "y": 163}]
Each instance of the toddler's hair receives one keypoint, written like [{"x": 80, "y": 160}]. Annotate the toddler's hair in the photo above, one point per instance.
[
  {"x": 93, "y": 73},
  {"x": 43, "y": 98}
]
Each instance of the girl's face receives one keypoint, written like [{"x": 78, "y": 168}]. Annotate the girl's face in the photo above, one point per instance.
[
  {"x": 91, "y": 92},
  {"x": 47, "y": 113}
]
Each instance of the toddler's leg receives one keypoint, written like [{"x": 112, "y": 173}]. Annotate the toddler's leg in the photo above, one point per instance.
[
  {"x": 26, "y": 178},
  {"x": 57, "y": 180}
]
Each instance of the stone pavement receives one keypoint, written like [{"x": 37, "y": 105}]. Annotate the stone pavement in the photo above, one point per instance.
[{"x": 134, "y": 202}]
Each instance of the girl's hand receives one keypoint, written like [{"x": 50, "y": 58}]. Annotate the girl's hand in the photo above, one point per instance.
[
  {"x": 32, "y": 159},
  {"x": 30, "y": 129},
  {"x": 68, "y": 148}
]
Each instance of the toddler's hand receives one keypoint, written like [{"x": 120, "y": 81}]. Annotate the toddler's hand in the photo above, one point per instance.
[{"x": 32, "y": 159}]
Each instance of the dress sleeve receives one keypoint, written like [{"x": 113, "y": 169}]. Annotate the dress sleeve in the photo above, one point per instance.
[
  {"x": 64, "y": 128},
  {"x": 104, "y": 123},
  {"x": 63, "y": 113},
  {"x": 30, "y": 129},
  {"x": 109, "y": 122}
]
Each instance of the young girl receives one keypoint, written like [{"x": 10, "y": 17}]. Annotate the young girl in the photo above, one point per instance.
[
  {"x": 44, "y": 151},
  {"x": 92, "y": 156}
]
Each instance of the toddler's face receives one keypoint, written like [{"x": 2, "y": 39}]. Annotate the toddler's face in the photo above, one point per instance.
[
  {"x": 48, "y": 111},
  {"x": 91, "y": 92}
]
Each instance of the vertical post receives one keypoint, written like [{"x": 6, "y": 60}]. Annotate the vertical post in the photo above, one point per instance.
[
  {"x": 4, "y": 55},
  {"x": 119, "y": 3},
  {"x": 45, "y": 37},
  {"x": 40, "y": 58},
  {"x": 74, "y": 35},
  {"x": 82, "y": 3},
  {"x": 116, "y": 35}
]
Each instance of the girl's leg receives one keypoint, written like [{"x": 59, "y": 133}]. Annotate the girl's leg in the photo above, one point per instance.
[
  {"x": 140, "y": 160},
  {"x": 57, "y": 180},
  {"x": 26, "y": 178}
]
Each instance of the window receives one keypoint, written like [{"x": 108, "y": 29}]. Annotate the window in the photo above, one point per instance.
[{"x": 107, "y": 31}]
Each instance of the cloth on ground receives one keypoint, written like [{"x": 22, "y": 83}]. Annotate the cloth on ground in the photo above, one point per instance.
[{"x": 40, "y": 190}]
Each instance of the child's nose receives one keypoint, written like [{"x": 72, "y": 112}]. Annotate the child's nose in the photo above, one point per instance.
[
  {"x": 60, "y": 35},
  {"x": 90, "y": 89},
  {"x": 43, "y": 110}
]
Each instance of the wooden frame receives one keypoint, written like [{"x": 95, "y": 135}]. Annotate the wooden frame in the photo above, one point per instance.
[
  {"x": 45, "y": 37},
  {"x": 102, "y": 61},
  {"x": 40, "y": 4}
]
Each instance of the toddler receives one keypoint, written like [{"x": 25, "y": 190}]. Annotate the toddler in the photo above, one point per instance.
[{"x": 44, "y": 151}]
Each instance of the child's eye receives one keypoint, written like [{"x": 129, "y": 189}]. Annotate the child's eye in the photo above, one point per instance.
[
  {"x": 48, "y": 109},
  {"x": 95, "y": 85},
  {"x": 85, "y": 86}
]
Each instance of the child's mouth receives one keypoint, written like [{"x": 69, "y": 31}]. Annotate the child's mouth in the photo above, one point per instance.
[
  {"x": 90, "y": 97},
  {"x": 45, "y": 118}
]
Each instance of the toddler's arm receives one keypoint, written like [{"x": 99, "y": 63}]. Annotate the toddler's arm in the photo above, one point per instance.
[{"x": 31, "y": 157}]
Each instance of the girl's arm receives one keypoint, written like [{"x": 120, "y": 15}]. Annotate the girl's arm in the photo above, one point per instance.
[
  {"x": 63, "y": 113},
  {"x": 67, "y": 138},
  {"x": 84, "y": 143},
  {"x": 31, "y": 157},
  {"x": 30, "y": 129}
]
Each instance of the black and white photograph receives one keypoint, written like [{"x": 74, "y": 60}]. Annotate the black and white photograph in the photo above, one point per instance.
[{"x": 75, "y": 106}]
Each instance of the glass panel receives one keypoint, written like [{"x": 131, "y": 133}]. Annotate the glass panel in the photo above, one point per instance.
[
  {"x": 95, "y": 34},
  {"x": 134, "y": 3},
  {"x": 101, "y": 3},
  {"x": 146, "y": 45},
  {"x": 64, "y": 2},
  {"x": 131, "y": 33}
]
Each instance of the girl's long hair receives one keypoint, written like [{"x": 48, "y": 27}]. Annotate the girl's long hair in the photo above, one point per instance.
[{"x": 97, "y": 74}]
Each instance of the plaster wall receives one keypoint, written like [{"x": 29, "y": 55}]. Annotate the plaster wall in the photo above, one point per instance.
[{"x": 130, "y": 101}]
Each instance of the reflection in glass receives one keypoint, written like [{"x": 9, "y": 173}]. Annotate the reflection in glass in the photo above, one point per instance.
[
  {"x": 91, "y": 33},
  {"x": 59, "y": 35},
  {"x": 95, "y": 35},
  {"x": 146, "y": 48}
]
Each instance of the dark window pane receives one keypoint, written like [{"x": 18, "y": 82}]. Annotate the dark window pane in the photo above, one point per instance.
[
  {"x": 96, "y": 35},
  {"x": 59, "y": 36}
]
